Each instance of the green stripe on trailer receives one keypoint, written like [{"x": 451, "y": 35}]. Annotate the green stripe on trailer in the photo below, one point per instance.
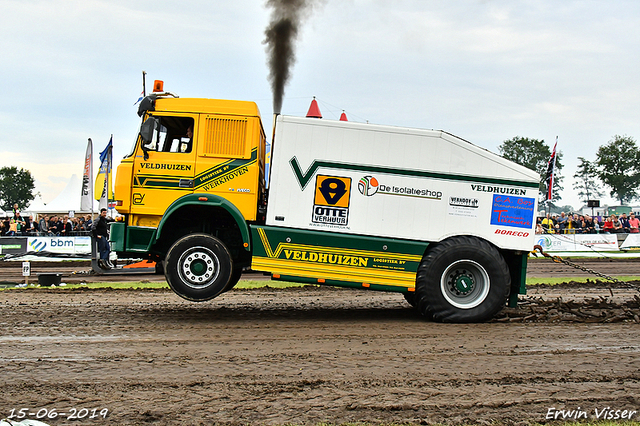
[
  {"x": 374, "y": 261},
  {"x": 304, "y": 178}
]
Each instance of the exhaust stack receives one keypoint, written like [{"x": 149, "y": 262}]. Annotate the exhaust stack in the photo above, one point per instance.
[{"x": 273, "y": 129}]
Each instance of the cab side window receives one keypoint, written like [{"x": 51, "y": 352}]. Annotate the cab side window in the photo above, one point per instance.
[{"x": 172, "y": 134}]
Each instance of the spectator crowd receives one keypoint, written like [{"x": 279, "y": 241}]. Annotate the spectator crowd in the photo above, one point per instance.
[
  {"x": 44, "y": 225},
  {"x": 585, "y": 224}
]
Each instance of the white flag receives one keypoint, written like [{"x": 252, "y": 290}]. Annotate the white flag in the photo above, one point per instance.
[{"x": 86, "y": 200}]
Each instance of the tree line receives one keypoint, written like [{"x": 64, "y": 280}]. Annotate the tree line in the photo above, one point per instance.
[
  {"x": 16, "y": 187},
  {"x": 616, "y": 167}
]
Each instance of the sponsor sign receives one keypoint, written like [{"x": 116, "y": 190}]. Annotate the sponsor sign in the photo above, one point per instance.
[
  {"x": 512, "y": 211},
  {"x": 631, "y": 242},
  {"x": 370, "y": 186},
  {"x": 12, "y": 245},
  {"x": 324, "y": 257},
  {"x": 165, "y": 166},
  {"x": 61, "y": 245},
  {"x": 331, "y": 200},
  {"x": 463, "y": 206},
  {"x": 522, "y": 234},
  {"x": 578, "y": 242},
  {"x": 499, "y": 189}
]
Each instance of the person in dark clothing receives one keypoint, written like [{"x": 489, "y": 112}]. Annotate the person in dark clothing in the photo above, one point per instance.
[
  {"x": 66, "y": 228},
  {"x": 55, "y": 226},
  {"x": 589, "y": 226},
  {"x": 100, "y": 231},
  {"x": 625, "y": 223}
]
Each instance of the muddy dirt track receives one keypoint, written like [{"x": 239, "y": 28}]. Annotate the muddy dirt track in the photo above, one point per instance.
[{"x": 312, "y": 355}]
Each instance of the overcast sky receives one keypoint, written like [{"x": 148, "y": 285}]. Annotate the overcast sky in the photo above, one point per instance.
[{"x": 483, "y": 70}]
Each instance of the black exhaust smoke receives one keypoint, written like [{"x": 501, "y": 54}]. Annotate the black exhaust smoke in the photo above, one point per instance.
[{"x": 280, "y": 37}]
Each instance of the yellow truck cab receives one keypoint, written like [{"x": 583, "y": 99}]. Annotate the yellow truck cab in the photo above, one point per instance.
[{"x": 197, "y": 167}]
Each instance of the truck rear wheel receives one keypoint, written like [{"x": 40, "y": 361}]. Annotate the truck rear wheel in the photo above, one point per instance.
[
  {"x": 462, "y": 279},
  {"x": 411, "y": 299},
  {"x": 198, "y": 267}
]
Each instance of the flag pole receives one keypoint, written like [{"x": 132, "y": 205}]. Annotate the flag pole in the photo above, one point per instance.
[
  {"x": 144, "y": 83},
  {"x": 551, "y": 166}
]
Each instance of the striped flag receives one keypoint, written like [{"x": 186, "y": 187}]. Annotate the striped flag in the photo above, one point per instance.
[
  {"x": 103, "y": 186},
  {"x": 140, "y": 98}
]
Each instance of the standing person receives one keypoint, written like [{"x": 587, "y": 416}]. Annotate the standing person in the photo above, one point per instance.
[
  {"x": 31, "y": 226},
  {"x": 625, "y": 223},
  {"x": 562, "y": 222},
  {"x": 100, "y": 232},
  {"x": 13, "y": 228},
  {"x": 617, "y": 226},
  {"x": 66, "y": 227},
  {"x": 55, "y": 226},
  {"x": 81, "y": 227},
  {"x": 634, "y": 224},
  {"x": 20, "y": 223},
  {"x": 589, "y": 225},
  {"x": 547, "y": 225},
  {"x": 43, "y": 225},
  {"x": 577, "y": 223},
  {"x": 607, "y": 227}
]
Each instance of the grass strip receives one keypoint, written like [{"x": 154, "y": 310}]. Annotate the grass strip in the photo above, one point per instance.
[{"x": 553, "y": 281}]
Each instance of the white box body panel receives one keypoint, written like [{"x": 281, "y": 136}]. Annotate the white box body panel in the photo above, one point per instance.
[{"x": 384, "y": 181}]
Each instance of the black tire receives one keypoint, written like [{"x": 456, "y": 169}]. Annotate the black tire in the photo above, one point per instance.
[
  {"x": 235, "y": 277},
  {"x": 411, "y": 299},
  {"x": 198, "y": 267},
  {"x": 462, "y": 279},
  {"x": 159, "y": 268}
]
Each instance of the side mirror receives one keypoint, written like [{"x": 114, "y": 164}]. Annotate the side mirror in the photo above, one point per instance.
[{"x": 147, "y": 130}]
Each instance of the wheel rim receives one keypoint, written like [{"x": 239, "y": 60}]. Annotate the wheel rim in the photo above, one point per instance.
[
  {"x": 198, "y": 267},
  {"x": 465, "y": 284}
]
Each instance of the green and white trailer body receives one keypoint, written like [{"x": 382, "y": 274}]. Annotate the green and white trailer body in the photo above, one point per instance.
[{"x": 358, "y": 204}]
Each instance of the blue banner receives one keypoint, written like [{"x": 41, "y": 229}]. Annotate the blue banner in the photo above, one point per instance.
[{"x": 516, "y": 212}]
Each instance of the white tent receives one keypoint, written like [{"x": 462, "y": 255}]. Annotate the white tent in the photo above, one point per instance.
[
  {"x": 67, "y": 201},
  {"x": 37, "y": 205}
]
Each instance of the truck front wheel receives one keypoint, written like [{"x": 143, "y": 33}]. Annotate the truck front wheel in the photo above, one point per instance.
[
  {"x": 198, "y": 267},
  {"x": 462, "y": 279}
]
